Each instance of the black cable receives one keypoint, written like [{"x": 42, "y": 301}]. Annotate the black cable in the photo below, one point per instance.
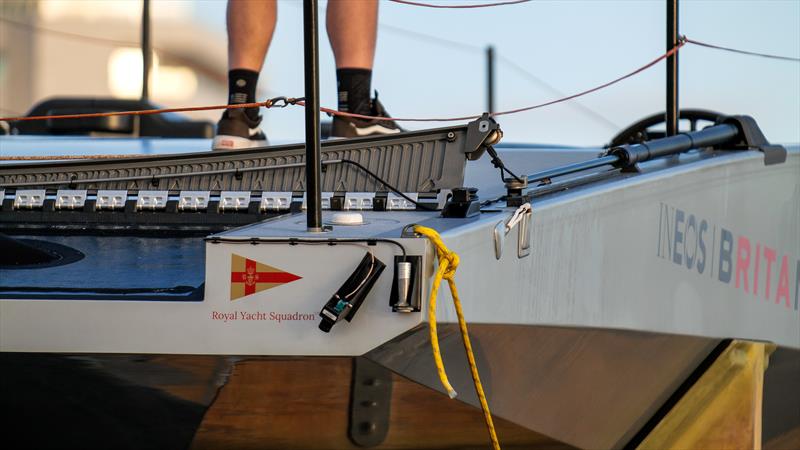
[
  {"x": 497, "y": 162},
  {"x": 296, "y": 241},
  {"x": 389, "y": 186}
]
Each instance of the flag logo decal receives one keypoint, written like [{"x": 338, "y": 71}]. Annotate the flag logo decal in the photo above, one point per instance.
[{"x": 249, "y": 276}]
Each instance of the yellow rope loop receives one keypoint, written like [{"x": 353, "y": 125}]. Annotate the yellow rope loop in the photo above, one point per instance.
[{"x": 448, "y": 263}]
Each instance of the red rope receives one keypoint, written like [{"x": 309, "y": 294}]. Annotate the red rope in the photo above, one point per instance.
[
  {"x": 143, "y": 112},
  {"x": 743, "y": 52},
  {"x": 482, "y": 5},
  {"x": 602, "y": 86},
  {"x": 269, "y": 103},
  {"x": 513, "y": 111}
]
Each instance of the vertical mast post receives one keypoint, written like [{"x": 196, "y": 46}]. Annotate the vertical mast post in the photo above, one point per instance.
[
  {"x": 673, "y": 115},
  {"x": 313, "y": 148},
  {"x": 490, "y": 79},
  {"x": 147, "y": 50}
]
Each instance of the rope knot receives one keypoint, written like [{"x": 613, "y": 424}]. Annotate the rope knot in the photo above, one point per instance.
[{"x": 452, "y": 264}]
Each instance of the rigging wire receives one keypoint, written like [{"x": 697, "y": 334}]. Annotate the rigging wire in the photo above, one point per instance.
[
  {"x": 431, "y": 38},
  {"x": 503, "y": 60},
  {"x": 269, "y": 103},
  {"x": 299, "y": 101},
  {"x": 388, "y": 186},
  {"x": 216, "y": 75},
  {"x": 652, "y": 63},
  {"x": 600, "y": 118},
  {"x": 742, "y": 52},
  {"x": 463, "y": 6}
]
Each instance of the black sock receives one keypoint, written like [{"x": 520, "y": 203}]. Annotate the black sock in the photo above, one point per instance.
[
  {"x": 353, "y": 86},
  {"x": 242, "y": 89}
]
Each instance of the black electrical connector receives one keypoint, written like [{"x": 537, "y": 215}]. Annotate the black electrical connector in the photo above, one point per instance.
[{"x": 345, "y": 302}]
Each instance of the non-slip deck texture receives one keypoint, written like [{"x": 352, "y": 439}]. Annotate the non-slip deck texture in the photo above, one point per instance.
[{"x": 411, "y": 162}]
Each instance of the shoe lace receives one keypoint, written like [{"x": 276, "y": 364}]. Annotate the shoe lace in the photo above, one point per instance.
[
  {"x": 377, "y": 107},
  {"x": 252, "y": 123}
]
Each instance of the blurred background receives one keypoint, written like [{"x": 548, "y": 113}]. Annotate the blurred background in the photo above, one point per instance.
[{"x": 429, "y": 63}]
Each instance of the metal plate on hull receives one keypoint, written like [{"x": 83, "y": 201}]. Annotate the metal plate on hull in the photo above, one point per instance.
[{"x": 589, "y": 388}]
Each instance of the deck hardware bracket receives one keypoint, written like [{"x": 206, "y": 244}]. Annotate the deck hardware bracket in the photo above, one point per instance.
[
  {"x": 751, "y": 137},
  {"x": 29, "y": 198},
  {"x": 408, "y": 231},
  {"x": 514, "y": 189},
  {"x": 370, "y": 403},
  {"x": 499, "y": 234},
  {"x": 463, "y": 204},
  {"x": 70, "y": 199},
  {"x": 520, "y": 219},
  {"x": 481, "y": 132},
  {"x": 524, "y": 241}
]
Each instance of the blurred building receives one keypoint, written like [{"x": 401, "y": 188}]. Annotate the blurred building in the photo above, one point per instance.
[{"x": 91, "y": 48}]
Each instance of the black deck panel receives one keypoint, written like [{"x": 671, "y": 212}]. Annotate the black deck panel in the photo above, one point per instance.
[{"x": 115, "y": 267}]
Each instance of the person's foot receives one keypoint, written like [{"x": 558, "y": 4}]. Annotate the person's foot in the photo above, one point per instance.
[
  {"x": 348, "y": 127},
  {"x": 237, "y": 130}
]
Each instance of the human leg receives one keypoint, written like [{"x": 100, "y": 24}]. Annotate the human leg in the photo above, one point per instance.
[
  {"x": 352, "y": 29},
  {"x": 251, "y": 24}
]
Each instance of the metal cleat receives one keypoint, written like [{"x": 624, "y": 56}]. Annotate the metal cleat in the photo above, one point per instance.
[
  {"x": 152, "y": 200},
  {"x": 29, "y": 199},
  {"x": 359, "y": 200},
  {"x": 193, "y": 200},
  {"x": 111, "y": 199},
  {"x": 70, "y": 198},
  {"x": 275, "y": 201},
  {"x": 234, "y": 200},
  {"x": 397, "y": 203},
  {"x": 326, "y": 200}
]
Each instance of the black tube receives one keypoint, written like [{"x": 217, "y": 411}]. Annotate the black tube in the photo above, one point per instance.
[
  {"x": 313, "y": 158},
  {"x": 634, "y": 153},
  {"x": 672, "y": 69},
  {"x": 147, "y": 50},
  {"x": 490, "y": 79},
  {"x": 627, "y": 155},
  {"x": 572, "y": 168}
]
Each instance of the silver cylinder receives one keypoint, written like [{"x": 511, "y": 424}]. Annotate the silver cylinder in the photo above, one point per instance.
[{"x": 403, "y": 274}]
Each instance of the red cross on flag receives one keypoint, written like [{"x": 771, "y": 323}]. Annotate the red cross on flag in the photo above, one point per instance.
[{"x": 249, "y": 276}]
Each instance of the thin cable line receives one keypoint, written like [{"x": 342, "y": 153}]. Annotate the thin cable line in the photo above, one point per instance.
[
  {"x": 541, "y": 83},
  {"x": 216, "y": 75},
  {"x": 144, "y": 112},
  {"x": 431, "y": 38},
  {"x": 597, "y": 88},
  {"x": 445, "y": 6},
  {"x": 512, "y": 111},
  {"x": 742, "y": 52},
  {"x": 269, "y": 103},
  {"x": 503, "y": 60},
  {"x": 67, "y": 34}
]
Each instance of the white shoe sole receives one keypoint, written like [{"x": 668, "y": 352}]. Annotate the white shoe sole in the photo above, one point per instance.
[
  {"x": 374, "y": 130},
  {"x": 225, "y": 142}
]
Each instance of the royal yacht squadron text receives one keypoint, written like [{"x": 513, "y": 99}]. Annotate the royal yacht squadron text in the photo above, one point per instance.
[{"x": 265, "y": 316}]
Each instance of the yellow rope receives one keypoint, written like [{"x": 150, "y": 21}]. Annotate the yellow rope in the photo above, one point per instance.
[{"x": 448, "y": 263}]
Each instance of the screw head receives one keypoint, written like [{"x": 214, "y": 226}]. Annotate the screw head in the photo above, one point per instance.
[{"x": 367, "y": 427}]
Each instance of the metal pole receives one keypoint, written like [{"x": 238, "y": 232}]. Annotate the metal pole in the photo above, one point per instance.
[
  {"x": 147, "y": 50},
  {"x": 490, "y": 79},
  {"x": 672, "y": 69},
  {"x": 313, "y": 164},
  {"x": 632, "y": 153}
]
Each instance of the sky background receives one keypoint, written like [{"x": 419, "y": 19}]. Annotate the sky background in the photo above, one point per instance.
[{"x": 568, "y": 45}]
